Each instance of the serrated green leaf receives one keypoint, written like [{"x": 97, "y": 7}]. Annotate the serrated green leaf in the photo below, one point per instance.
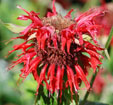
[{"x": 12, "y": 27}]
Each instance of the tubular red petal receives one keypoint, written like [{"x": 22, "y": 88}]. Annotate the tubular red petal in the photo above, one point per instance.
[
  {"x": 76, "y": 82},
  {"x": 72, "y": 78},
  {"x": 70, "y": 81},
  {"x": 43, "y": 39},
  {"x": 23, "y": 9},
  {"x": 42, "y": 76},
  {"x": 93, "y": 53},
  {"x": 54, "y": 8},
  {"x": 27, "y": 63},
  {"x": 22, "y": 46},
  {"x": 27, "y": 58},
  {"x": 63, "y": 41},
  {"x": 33, "y": 67},
  {"x": 16, "y": 62},
  {"x": 59, "y": 80},
  {"x": 69, "y": 13},
  {"x": 16, "y": 47},
  {"x": 27, "y": 29},
  {"x": 81, "y": 75},
  {"x": 55, "y": 41},
  {"x": 35, "y": 75},
  {"x": 61, "y": 83},
  {"x": 38, "y": 41},
  {"x": 94, "y": 63},
  {"x": 37, "y": 21},
  {"x": 34, "y": 63},
  {"x": 80, "y": 38},
  {"x": 58, "y": 77},
  {"x": 52, "y": 78},
  {"x": 51, "y": 73},
  {"x": 68, "y": 45},
  {"x": 23, "y": 17}
]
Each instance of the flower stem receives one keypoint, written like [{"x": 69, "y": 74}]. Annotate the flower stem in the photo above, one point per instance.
[
  {"x": 107, "y": 54},
  {"x": 35, "y": 100},
  {"x": 88, "y": 91},
  {"x": 109, "y": 39}
]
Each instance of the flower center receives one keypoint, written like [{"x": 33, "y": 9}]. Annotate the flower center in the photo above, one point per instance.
[
  {"x": 58, "y": 22},
  {"x": 57, "y": 56}
]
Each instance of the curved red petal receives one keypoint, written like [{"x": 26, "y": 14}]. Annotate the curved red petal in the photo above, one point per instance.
[
  {"x": 54, "y": 8},
  {"x": 42, "y": 76},
  {"x": 81, "y": 75},
  {"x": 69, "y": 13}
]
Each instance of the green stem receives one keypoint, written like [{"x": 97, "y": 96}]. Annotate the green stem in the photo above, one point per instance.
[
  {"x": 107, "y": 54},
  {"x": 88, "y": 91},
  {"x": 35, "y": 100},
  {"x": 109, "y": 39}
]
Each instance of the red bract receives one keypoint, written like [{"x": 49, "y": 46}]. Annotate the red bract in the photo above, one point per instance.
[{"x": 54, "y": 45}]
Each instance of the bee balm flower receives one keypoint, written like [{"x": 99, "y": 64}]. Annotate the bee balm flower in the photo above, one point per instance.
[{"x": 54, "y": 47}]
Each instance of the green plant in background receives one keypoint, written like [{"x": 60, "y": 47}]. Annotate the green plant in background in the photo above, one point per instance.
[{"x": 56, "y": 52}]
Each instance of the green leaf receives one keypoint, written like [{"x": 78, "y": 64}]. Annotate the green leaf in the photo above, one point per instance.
[
  {"x": 109, "y": 39},
  {"x": 12, "y": 27},
  {"x": 86, "y": 54},
  {"x": 86, "y": 37},
  {"x": 31, "y": 91},
  {"x": 55, "y": 101}
]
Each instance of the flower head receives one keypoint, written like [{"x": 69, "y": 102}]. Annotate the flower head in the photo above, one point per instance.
[{"x": 54, "y": 47}]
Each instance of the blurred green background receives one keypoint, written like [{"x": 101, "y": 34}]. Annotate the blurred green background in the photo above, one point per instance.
[{"x": 14, "y": 93}]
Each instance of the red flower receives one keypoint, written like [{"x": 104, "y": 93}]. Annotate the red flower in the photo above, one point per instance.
[{"x": 55, "y": 45}]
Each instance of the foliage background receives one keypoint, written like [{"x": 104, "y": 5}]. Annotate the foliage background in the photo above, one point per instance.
[{"x": 14, "y": 93}]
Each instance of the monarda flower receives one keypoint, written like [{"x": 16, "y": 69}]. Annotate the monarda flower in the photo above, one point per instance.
[{"x": 54, "y": 48}]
